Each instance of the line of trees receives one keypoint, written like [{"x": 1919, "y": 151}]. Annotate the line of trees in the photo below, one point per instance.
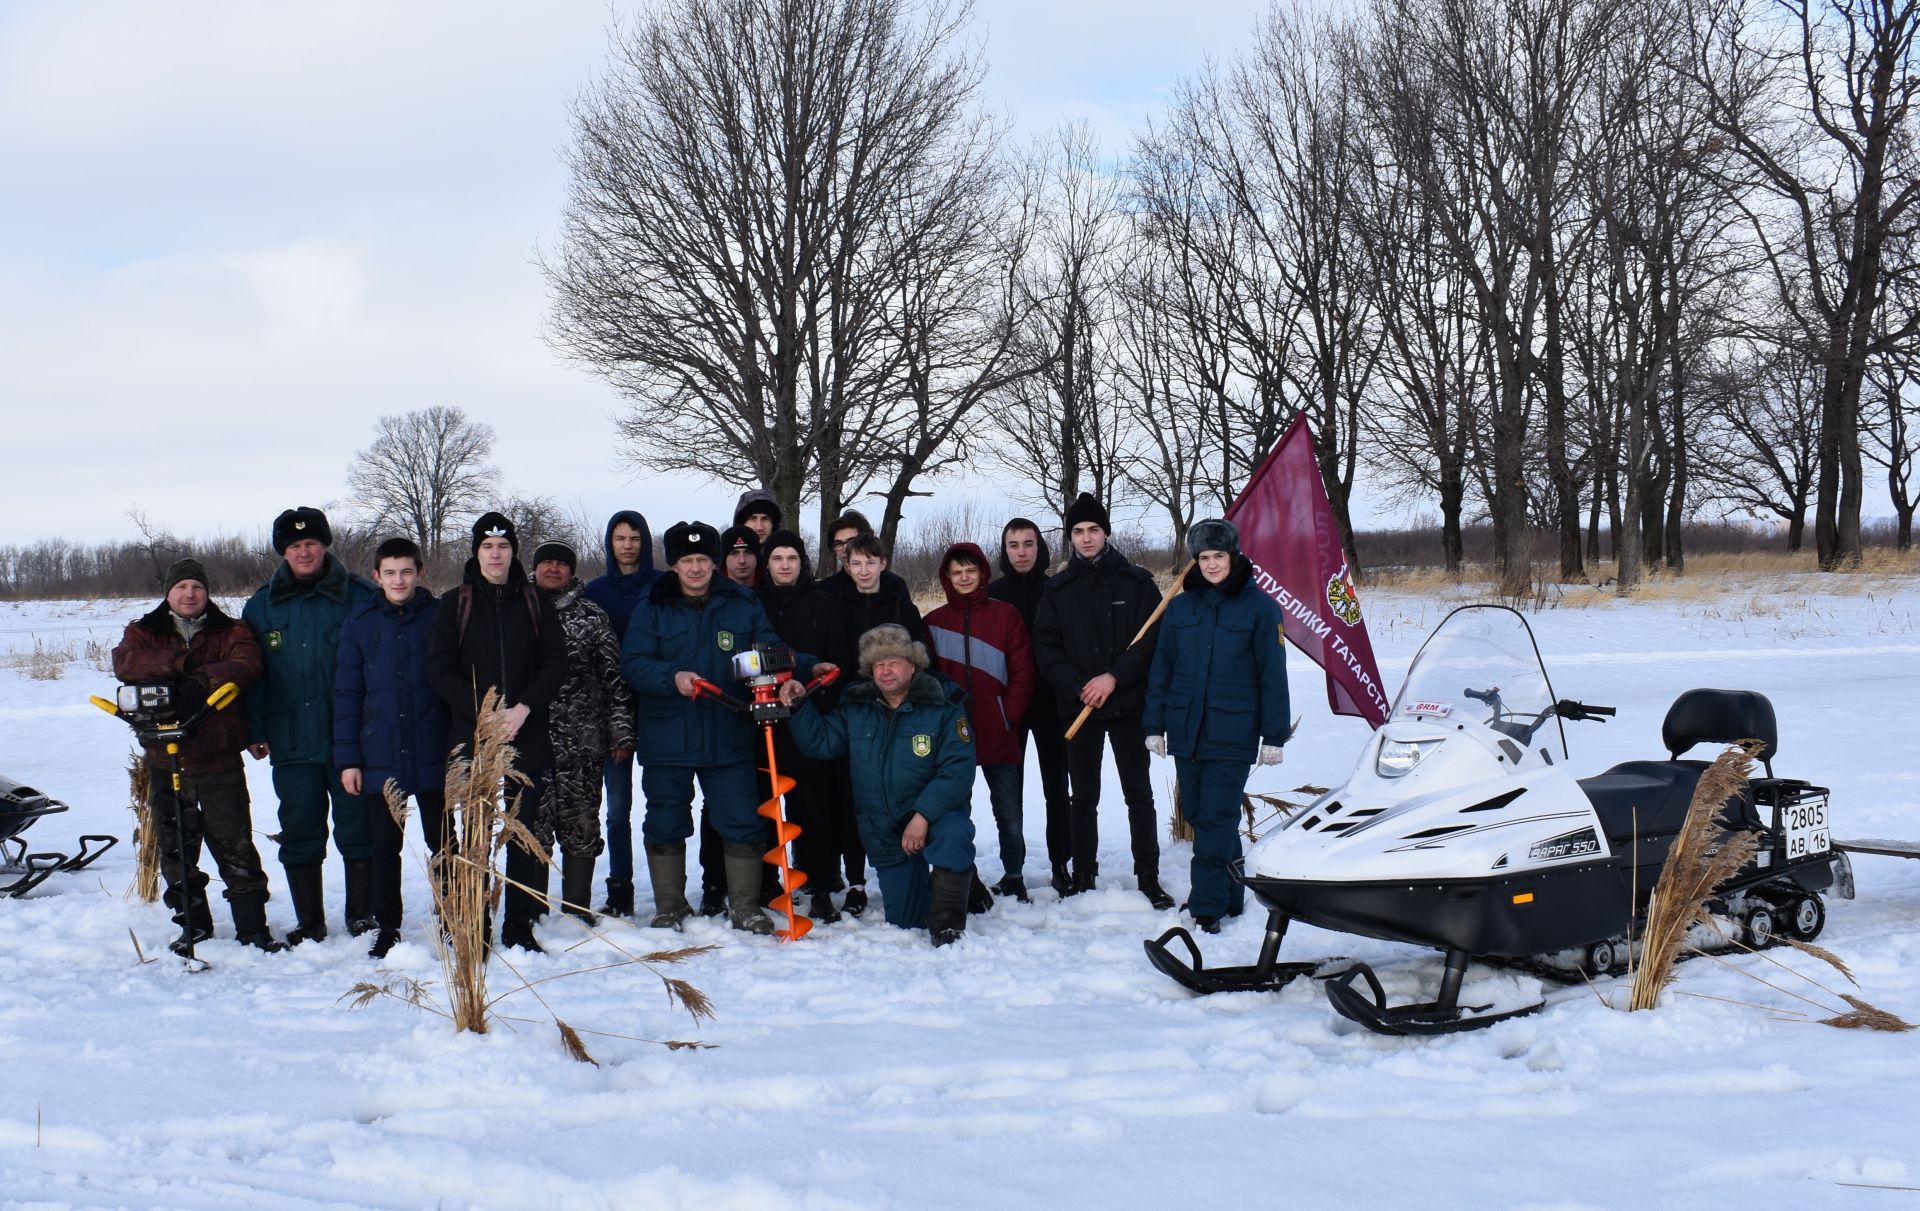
[{"x": 1560, "y": 266}]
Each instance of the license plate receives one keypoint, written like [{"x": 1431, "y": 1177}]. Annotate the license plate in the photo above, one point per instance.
[{"x": 1805, "y": 826}]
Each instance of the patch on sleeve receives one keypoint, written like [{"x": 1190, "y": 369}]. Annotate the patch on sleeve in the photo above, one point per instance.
[
  {"x": 273, "y": 640},
  {"x": 922, "y": 745},
  {"x": 965, "y": 732}
]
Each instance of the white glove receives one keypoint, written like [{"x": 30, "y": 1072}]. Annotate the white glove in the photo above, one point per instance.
[
  {"x": 1157, "y": 745},
  {"x": 1271, "y": 754}
]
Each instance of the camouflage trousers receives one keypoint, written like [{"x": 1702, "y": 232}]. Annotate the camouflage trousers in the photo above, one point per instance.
[{"x": 569, "y": 815}]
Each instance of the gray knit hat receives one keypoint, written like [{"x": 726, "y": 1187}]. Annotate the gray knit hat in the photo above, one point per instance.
[
  {"x": 890, "y": 641},
  {"x": 1213, "y": 534}
]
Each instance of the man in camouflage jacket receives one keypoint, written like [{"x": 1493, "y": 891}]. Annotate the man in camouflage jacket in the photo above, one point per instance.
[{"x": 590, "y": 722}]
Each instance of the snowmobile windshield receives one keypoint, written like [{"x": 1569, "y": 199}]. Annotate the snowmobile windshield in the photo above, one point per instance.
[{"x": 1481, "y": 663}]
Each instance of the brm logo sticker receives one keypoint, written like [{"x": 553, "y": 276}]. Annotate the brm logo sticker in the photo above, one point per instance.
[
  {"x": 1572, "y": 845},
  {"x": 1435, "y": 710}
]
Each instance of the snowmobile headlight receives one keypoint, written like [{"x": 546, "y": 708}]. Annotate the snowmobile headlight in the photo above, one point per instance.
[{"x": 1398, "y": 757}]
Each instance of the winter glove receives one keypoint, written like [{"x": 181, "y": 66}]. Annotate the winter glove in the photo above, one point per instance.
[
  {"x": 1157, "y": 745},
  {"x": 1271, "y": 754},
  {"x": 189, "y": 696}
]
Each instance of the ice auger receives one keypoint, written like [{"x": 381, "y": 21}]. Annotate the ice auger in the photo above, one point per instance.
[{"x": 764, "y": 669}]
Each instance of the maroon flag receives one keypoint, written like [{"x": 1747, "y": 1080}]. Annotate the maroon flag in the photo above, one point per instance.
[{"x": 1287, "y": 531}]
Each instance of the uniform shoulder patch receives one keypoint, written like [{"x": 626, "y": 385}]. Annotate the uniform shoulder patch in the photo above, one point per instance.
[
  {"x": 273, "y": 640},
  {"x": 725, "y": 640},
  {"x": 922, "y": 745},
  {"x": 965, "y": 733}
]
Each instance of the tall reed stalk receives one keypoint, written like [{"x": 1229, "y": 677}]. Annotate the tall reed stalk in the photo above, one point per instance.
[{"x": 146, "y": 853}]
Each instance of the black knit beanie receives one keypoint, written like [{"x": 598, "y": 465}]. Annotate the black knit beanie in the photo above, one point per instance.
[
  {"x": 495, "y": 525},
  {"x": 184, "y": 569},
  {"x": 553, "y": 549},
  {"x": 1086, "y": 508}
]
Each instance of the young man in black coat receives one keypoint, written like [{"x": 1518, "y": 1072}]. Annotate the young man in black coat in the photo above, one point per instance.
[
  {"x": 1083, "y": 646},
  {"x": 1024, "y": 560},
  {"x": 496, "y": 631}
]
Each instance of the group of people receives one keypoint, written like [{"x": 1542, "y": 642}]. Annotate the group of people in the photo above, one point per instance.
[{"x": 360, "y": 689}]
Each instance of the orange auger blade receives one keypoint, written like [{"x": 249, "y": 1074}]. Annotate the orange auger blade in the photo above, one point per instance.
[{"x": 792, "y": 879}]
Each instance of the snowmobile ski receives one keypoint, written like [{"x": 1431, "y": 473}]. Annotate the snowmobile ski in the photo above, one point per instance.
[
  {"x": 1880, "y": 846},
  {"x": 1442, "y": 1015},
  {"x": 35, "y": 869},
  {"x": 1266, "y": 975}
]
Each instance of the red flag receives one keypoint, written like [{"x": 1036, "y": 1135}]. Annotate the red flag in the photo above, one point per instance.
[{"x": 1287, "y": 531}]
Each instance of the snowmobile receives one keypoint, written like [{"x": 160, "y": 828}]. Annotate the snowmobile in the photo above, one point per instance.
[
  {"x": 1464, "y": 829},
  {"x": 20, "y": 807}
]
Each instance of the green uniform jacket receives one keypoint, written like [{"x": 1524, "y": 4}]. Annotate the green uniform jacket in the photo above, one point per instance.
[
  {"x": 918, "y": 758},
  {"x": 298, "y": 629}
]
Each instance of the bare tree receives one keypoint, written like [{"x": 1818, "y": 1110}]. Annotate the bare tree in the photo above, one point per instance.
[
  {"x": 1761, "y": 433},
  {"x": 740, "y": 177},
  {"x": 426, "y": 473},
  {"x": 1817, "y": 98},
  {"x": 1887, "y": 422}
]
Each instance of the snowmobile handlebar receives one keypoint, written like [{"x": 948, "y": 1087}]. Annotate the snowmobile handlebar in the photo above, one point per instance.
[
  {"x": 1490, "y": 697},
  {"x": 1567, "y": 708}
]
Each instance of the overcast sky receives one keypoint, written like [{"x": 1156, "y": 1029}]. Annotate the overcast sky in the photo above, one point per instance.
[{"x": 232, "y": 235}]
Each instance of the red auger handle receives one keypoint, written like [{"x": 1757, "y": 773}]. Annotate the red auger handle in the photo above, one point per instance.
[
  {"x": 827, "y": 678},
  {"x": 702, "y": 688}
]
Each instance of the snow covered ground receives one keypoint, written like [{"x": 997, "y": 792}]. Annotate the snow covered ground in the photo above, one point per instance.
[{"x": 1041, "y": 1062}]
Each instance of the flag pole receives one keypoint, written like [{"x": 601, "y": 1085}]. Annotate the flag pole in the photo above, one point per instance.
[{"x": 1179, "y": 583}]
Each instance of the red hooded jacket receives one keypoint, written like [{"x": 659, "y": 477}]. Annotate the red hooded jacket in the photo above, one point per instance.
[{"x": 981, "y": 645}]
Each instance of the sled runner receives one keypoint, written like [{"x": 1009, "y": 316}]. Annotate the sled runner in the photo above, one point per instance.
[
  {"x": 20, "y": 807},
  {"x": 1464, "y": 829}
]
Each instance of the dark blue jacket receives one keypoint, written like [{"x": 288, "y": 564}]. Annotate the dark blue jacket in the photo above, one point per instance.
[
  {"x": 1218, "y": 686},
  {"x": 298, "y": 628},
  {"x": 667, "y": 634},
  {"x": 615, "y": 593},
  {"x": 915, "y": 758},
  {"x": 387, "y": 719}
]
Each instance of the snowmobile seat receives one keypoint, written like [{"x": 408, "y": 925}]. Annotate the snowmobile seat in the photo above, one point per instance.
[
  {"x": 1721, "y": 717},
  {"x": 1654, "y": 795},
  {"x": 21, "y": 805}
]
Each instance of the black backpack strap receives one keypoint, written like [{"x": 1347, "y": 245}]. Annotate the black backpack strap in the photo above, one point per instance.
[{"x": 462, "y": 610}]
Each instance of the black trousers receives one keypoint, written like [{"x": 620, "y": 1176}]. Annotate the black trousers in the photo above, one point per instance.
[
  {"x": 387, "y": 840},
  {"x": 1050, "y": 753},
  {"x": 214, "y": 808},
  {"x": 1130, "y": 760}
]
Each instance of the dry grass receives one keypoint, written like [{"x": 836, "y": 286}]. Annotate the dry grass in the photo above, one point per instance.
[
  {"x": 467, "y": 887},
  {"x": 1708, "y": 576},
  {"x": 146, "y": 838},
  {"x": 1703, "y": 857}
]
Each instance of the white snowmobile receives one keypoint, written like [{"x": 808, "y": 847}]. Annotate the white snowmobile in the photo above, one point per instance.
[{"x": 1463, "y": 829}]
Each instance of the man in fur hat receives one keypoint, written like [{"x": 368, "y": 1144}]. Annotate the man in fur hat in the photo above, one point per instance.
[
  {"x": 910, "y": 749},
  {"x": 297, "y": 617}
]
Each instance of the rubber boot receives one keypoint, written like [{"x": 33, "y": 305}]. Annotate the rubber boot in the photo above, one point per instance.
[
  {"x": 250, "y": 923},
  {"x": 576, "y": 888},
  {"x": 309, "y": 905},
  {"x": 667, "y": 870},
  {"x": 743, "y": 888},
  {"x": 619, "y": 898},
  {"x": 522, "y": 906},
  {"x": 947, "y": 895},
  {"x": 360, "y": 916}
]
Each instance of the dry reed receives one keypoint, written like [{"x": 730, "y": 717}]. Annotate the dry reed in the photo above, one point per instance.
[
  {"x": 146, "y": 854},
  {"x": 1703, "y": 857},
  {"x": 467, "y": 887}
]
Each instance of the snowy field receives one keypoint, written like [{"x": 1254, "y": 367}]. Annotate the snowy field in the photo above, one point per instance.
[{"x": 1039, "y": 1063}]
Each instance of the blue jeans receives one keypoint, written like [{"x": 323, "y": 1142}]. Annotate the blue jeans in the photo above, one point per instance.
[
  {"x": 620, "y": 819},
  {"x": 904, "y": 888},
  {"x": 1005, "y": 785}
]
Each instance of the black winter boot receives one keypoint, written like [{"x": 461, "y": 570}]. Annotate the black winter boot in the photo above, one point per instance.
[
  {"x": 1062, "y": 881},
  {"x": 947, "y": 907},
  {"x": 979, "y": 899},
  {"x": 619, "y": 898},
  {"x": 360, "y": 916},
  {"x": 820, "y": 907},
  {"x": 667, "y": 869},
  {"x": 1015, "y": 886},
  {"x": 855, "y": 901},
  {"x": 383, "y": 943},
  {"x": 195, "y": 920},
  {"x": 576, "y": 888},
  {"x": 743, "y": 888},
  {"x": 1155, "y": 894},
  {"x": 309, "y": 905},
  {"x": 522, "y": 906},
  {"x": 250, "y": 923},
  {"x": 1085, "y": 878}
]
